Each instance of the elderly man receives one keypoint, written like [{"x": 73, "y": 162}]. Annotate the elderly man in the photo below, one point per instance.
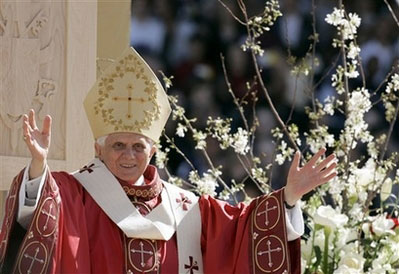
[{"x": 115, "y": 215}]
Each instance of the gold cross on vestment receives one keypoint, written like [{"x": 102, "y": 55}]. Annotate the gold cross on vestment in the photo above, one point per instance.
[
  {"x": 269, "y": 252},
  {"x": 34, "y": 259},
  {"x": 267, "y": 209},
  {"x": 142, "y": 252},
  {"x": 48, "y": 214}
]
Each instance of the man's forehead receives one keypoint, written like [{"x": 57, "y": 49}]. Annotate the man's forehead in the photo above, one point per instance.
[{"x": 125, "y": 136}]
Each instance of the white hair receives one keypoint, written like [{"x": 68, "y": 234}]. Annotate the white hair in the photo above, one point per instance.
[{"x": 101, "y": 140}]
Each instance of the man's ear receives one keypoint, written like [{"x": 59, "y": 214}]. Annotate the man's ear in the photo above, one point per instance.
[
  {"x": 153, "y": 150},
  {"x": 97, "y": 149}
]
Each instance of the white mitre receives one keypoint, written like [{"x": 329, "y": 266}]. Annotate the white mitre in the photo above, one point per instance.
[{"x": 127, "y": 97}]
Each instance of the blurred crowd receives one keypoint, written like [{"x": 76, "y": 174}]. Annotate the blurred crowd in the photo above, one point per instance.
[{"x": 185, "y": 38}]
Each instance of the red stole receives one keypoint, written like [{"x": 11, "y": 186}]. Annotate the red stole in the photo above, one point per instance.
[{"x": 37, "y": 251}]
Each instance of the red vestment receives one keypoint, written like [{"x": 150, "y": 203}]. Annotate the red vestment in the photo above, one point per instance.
[{"x": 70, "y": 233}]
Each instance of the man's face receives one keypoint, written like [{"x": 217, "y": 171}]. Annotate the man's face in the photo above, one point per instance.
[{"x": 126, "y": 155}]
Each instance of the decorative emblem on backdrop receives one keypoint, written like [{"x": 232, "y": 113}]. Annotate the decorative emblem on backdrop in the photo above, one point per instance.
[{"x": 28, "y": 72}]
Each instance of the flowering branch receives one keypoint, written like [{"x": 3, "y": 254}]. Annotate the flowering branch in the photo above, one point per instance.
[{"x": 255, "y": 49}]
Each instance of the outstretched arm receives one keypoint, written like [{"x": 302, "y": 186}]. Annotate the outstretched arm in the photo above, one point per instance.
[
  {"x": 37, "y": 141},
  {"x": 302, "y": 180}
]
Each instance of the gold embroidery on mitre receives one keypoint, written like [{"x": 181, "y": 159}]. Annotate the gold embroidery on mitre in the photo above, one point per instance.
[{"x": 128, "y": 97}]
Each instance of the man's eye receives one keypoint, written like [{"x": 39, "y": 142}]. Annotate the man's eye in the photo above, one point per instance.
[
  {"x": 138, "y": 147},
  {"x": 118, "y": 145}
]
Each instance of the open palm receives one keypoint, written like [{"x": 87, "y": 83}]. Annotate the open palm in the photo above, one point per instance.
[
  {"x": 302, "y": 180},
  {"x": 37, "y": 141}
]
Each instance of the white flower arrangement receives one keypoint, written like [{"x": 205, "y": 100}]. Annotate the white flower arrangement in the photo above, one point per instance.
[{"x": 349, "y": 230}]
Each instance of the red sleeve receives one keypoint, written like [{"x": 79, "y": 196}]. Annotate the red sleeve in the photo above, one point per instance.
[
  {"x": 73, "y": 252},
  {"x": 224, "y": 239},
  {"x": 231, "y": 242}
]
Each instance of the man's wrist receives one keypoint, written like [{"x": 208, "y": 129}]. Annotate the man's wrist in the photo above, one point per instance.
[
  {"x": 289, "y": 201},
  {"x": 36, "y": 169},
  {"x": 288, "y": 206}
]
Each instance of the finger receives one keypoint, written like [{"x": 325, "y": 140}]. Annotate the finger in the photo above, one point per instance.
[
  {"x": 32, "y": 120},
  {"x": 328, "y": 178},
  {"x": 25, "y": 125},
  {"x": 328, "y": 170},
  {"x": 325, "y": 162},
  {"x": 295, "y": 162},
  {"x": 47, "y": 125},
  {"x": 316, "y": 157},
  {"x": 26, "y": 132},
  {"x": 24, "y": 122}
]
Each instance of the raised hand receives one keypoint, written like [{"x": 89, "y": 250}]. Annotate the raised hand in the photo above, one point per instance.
[
  {"x": 38, "y": 142},
  {"x": 302, "y": 180}
]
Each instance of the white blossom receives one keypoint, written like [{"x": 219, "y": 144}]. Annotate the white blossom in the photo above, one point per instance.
[
  {"x": 393, "y": 85},
  {"x": 381, "y": 225},
  {"x": 329, "y": 105},
  {"x": 344, "y": 237},
  {"x": 180, "y": 130},
  {"x": 352, "y": 70},
  {"x": 353, "y": 51},
  {"x": 207, "y": 185},
  {"x": 199, "y": 137},
  {"x": 327, "y": 216},
  {"x": 178, "y": 113},
  {"x": 354, "y": 19},
  {"x": 161, "y": 157},
  {"x": 349, "y": 27},
  {"x": 285, "y": 153},
  {"x": 335, "y": 18},
  {"x": 240, "y": 141},
  {"x": 358, "y": 104},
  {"x": 280, "y": 159},
  {"x": 365, "y": 175},
  {"x": 351, "y": 263}
]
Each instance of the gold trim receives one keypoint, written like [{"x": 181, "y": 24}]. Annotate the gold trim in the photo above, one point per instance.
[
  {"x": 278, "y": 214},
  {"x": 256, "y": 254},
  {"x": 10, "y": 213},
  {"x": 23, "y": 252},
  {"x": 143, "y": 193},
  {"x": 281, "y": 197}
]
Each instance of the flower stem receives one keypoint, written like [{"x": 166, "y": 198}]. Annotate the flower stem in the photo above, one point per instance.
[{"x": 327, "y": 232}]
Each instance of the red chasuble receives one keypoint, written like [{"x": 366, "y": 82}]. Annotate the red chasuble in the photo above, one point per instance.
[{"x": 70, "y": 233}]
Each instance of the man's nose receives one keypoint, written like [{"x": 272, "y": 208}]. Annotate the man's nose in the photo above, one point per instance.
[{"x": 130, "y": 152}]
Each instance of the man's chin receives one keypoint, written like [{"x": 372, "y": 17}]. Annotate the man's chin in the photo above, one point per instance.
[{"x": 130, "y": 179}]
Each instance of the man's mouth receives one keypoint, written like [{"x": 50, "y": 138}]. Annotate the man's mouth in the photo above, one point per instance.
[{"x": 127, "y": 166}]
